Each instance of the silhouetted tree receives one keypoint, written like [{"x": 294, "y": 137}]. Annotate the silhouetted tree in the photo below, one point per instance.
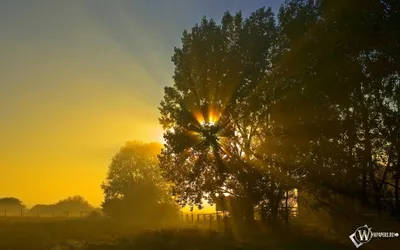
[
  {"x": 134, "y": 189},
  {"x": 258, "y": 109},
  {"x": 214, "y": 112},
  {"x": 338, "y": 90},
  {"x": 11, "y": 204},
  {"x": 73, "y": 205}
]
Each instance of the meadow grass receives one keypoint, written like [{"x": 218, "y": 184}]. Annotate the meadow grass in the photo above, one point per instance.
[{"x": 105, "y": 234}]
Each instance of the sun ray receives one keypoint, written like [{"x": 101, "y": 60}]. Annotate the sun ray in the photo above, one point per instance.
[{"x": 200, "y": 118}]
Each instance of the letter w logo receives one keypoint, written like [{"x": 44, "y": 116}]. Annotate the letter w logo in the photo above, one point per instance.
[
  {"x": 364, "y": 234},
  {"x": 361, "y": 236}
]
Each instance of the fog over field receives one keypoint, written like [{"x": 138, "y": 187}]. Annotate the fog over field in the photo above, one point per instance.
[{"x": 150, "y": 124}]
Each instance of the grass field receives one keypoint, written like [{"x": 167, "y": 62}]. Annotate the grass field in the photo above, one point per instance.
[{"x": 104, "y": 234}]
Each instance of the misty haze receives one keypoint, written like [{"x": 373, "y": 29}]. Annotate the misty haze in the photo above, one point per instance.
[{"x": 226, "y": 124}]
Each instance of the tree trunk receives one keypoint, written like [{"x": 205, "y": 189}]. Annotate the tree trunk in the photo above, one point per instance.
[
  {"x": 274, "y": 211},
  {"x": 377, "y": 199},
  {"x": 364, "y": 185},
  {"x": 298, "y": 201},
  {"x": 275, "y": 202},
  {"x": 396, "y": 197},
  {"x": 237, "y": 214},
  {"x": 248, "y": 210},
  {"x": 286, "y": 208},
  {"x": 366, "y": 161},
  {"x": 352, "y": 172}
]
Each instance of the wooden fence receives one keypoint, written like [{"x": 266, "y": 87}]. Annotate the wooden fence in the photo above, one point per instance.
[
  {"x": 219, "y": 221},
  {"x": 222, "y": 221},
  {"x": 210, "y": 219},
  {"x": 47, "y": 214}
]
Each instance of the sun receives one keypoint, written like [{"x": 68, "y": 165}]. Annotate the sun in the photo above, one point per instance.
[
  {"x": 212, "y": 118},
  {"x": 211, "y": 121},
  {"x": 199, "y": 117}
]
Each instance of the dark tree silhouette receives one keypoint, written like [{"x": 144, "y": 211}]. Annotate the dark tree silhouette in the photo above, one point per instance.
[
  {"x": 212, "y": 113},
  {"x": 338, "y": 85},
  {"x": 11, "y": 204},
  {"x": 258, "y": 109},
  {"x": 72, "y": 205},
  {"x": 134, "y": 189}
]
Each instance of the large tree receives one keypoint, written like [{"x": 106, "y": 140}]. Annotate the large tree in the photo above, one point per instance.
[
  {"x": 212, "y": 113},
  {"x": 337, "y": 84},
  {"x": 312, "y": 102}
]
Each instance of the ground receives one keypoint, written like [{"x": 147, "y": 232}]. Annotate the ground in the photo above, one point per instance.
[{"x": 104, "y": 234}]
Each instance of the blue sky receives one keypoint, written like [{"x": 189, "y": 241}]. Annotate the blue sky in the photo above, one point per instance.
[{"x": 78, "y": 78}]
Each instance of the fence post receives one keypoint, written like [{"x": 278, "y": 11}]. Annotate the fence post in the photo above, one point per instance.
[
  {"x": 198, "y": 217},
  {"x": 5, "y": 213},
  {"x": 211, "y": 218},
  {"x": 225, "y": 223},
  {"x": 53, "y": 213},
  {"x": 37, "y": 213},
  {"x": 204, "y": 217},
  {"x": 81, "y": 214},
  {"x": 187, "y": 217},
  {"x": 192, "y": 217}
]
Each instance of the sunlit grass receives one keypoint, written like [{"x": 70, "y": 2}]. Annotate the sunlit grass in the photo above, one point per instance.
[{"x": 106, "y": 234}]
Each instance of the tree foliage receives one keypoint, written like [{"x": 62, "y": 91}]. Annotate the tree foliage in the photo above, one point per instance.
[
  {"x": 134, "y": 188},
  {"x": 312, "y": 102},
  {"x": 71, "y": 205},
  {"x": 11, "y": 204}
]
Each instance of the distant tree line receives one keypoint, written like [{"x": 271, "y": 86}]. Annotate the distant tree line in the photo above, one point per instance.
[
  {"x": 73, "y": 204},
  {"x": 308, "y": 99}
]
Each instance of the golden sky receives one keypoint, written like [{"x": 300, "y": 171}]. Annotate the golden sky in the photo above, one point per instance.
[{"x": 77, "y": 80}]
